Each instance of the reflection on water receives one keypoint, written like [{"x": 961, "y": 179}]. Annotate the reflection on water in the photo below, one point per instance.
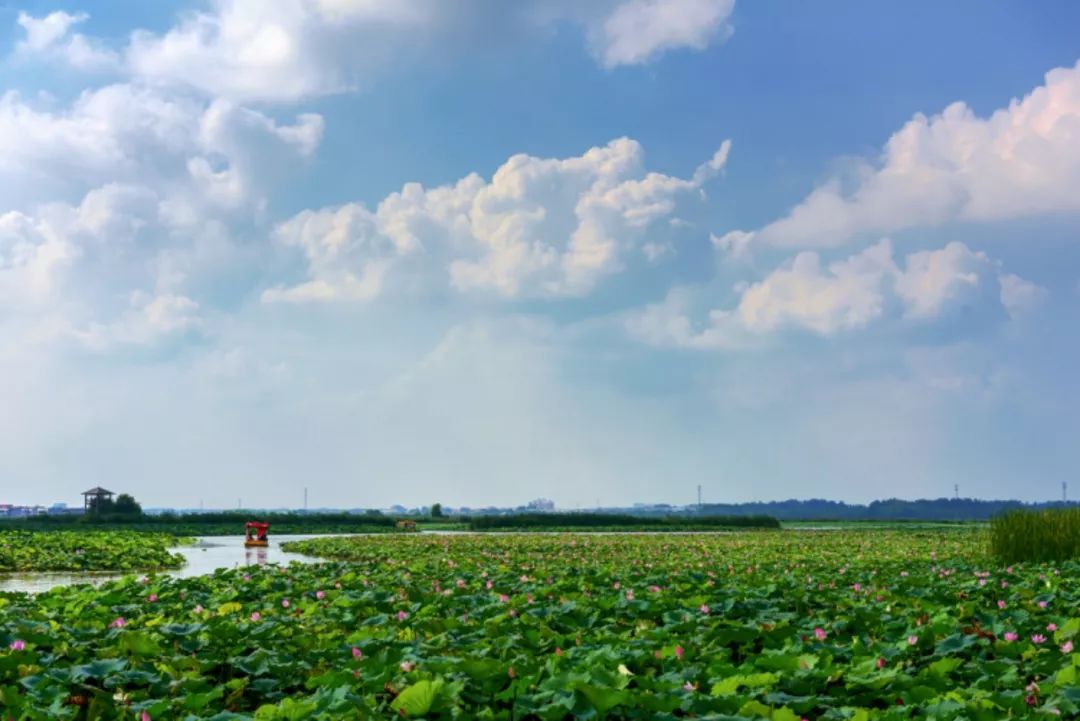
[{"x": 207, "y": 555}]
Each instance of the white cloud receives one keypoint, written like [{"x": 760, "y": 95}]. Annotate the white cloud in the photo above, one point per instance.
[
  {"x": 123, "y": 133},
  {"x": 31, "y": 256},
  {"x": 346, "y": 254},
  {"x": 1020, "y": 296},
  {"x": 670, "y": 323},
  {"x": 638, "y": 31},
  {"x": 846, "y": 295},
  {"x": 932, "y": 280},
  {"x": 1022, "y": 160},
  {"x": 289, "y": 50},
  {"x": 541, "y": 227},
  {"x": 149, "y": 319},
  {"x": 51, "y": 36},
  {"x": 42, "y": 33},
  {"x": 279, "y": 51}
]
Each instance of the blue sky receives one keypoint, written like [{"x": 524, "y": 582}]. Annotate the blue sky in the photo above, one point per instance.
[{"x": 401, "y": 251}]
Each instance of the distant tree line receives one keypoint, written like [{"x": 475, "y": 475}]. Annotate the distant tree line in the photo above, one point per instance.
[
  {"x": 108, "y": 515},
  {"x": 608, "y": 520},
  {"x": 893, "y": 509}
]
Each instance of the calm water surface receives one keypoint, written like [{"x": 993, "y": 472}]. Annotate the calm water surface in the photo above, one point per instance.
[{"x": 206, "y": 556}]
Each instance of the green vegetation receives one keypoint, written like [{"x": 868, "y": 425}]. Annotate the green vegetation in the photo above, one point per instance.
[
  {"x": 1049, "y": 535},
  {"x": 863, "y": 625},
  {"x": 228, "y": 523},
  {"x": 614, "y": 521},
  {"x": 85, "y": 551}
]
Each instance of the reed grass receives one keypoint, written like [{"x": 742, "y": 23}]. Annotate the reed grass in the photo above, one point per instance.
[{"x": 1045, "y": 535}]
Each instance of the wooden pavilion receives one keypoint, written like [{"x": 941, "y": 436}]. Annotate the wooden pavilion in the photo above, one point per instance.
[{"x": 93, "y": 498}]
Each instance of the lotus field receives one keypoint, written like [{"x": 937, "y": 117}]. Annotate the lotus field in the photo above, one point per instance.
[
  {"x": 85, "y": 551},
  {"x": 753, "y": 625}
]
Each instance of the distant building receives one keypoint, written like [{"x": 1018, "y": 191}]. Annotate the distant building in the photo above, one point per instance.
[{"x": 9, "y": 510}]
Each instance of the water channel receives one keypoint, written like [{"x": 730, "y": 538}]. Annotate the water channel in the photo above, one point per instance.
[{"x": 208, "y": 554}]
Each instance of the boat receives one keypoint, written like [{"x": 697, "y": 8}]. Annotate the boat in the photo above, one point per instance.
[{"x": 255, "y": 534}]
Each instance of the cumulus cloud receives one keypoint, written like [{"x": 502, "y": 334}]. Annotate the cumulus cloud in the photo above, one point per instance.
[
  {"x": 149, "y": 319},
  {"x": 845, "y": 295},
  {"x": 288, "y": 50},
  {"x": 542, "y": 227},
  {"x": 638, "y": 31},
  {"x": 50, "y": 36},
  {"x": 934, "y": 279},
  {"x": 1022, "y": 160},
  {"x": 1020, "y": 296},
  {"x": 125, "y": 133}
]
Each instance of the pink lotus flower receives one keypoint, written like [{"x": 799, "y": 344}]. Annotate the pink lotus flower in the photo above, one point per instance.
[
  {"x": 407, "y": 666},
  {"x": 1067, "y": 647},
  {"x": 881, "y": 663},
  {"x": 461, "y": 583},
  {"x": 402, "y": 615},
  {"x": 819, "y": 632},
  {"x": 119, "y": 622},
  {"x": 856, "y": 587},
  {"x": 1001, "y": 604},
  {"x": 679, "y": 652},
  {"x": 199, "y": 608},
  {"x": 247, "y": 577},
  {"x": 320, "y": 595},
  {"x": 654, "y": 589},
  {"x": 689, "y": 687},
  {"x": 152, "y": 597},
  {"x": 256, "y": 616},
  {"x": 18, "y": 645},
  {"x": 704, "y": 609},
  {"x": 616, "y": 585},
  {"x": 1042, "y": 604},
  {"x": 912, "y": 640},
  {"x": 489, "y": 585},
  {"x": 629, "y": 594},
  {"x": 1038, "y": 638},
  {"x": 357, "y": 653},
  {"x": 144, "y": 716},
  {"x": 503, "y": 598},
  {"x": 1010, "y": 636},
  {"x": 1051, "y": 627}
]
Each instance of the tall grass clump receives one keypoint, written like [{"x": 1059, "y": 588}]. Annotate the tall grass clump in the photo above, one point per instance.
[{"x": 1046, "y": 535}]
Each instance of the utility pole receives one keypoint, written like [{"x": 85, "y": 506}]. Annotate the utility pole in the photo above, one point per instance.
[
  {"x": 1064, "y": 492},
  {"x": 305, "y": 499},
  {"x": 699, "y": 496},
  {"x": 956, "y": 491}
]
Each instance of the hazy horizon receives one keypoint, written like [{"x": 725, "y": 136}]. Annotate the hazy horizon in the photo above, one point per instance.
[{"x": 396, "y": 251}]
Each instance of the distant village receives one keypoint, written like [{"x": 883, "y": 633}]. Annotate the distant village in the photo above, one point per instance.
[{"x": 8, "y": 510}]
